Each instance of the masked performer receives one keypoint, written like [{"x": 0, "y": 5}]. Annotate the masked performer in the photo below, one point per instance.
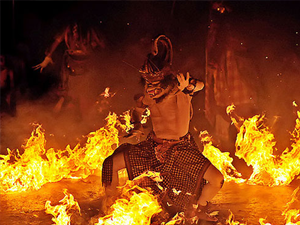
[
  {"x": 81, "y": 40},
  {"x": 190, "y": 181}
]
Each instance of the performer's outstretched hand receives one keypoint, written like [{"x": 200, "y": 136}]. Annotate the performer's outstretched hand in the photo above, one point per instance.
[
  {"x": 183, "y": 82},
  {"x": 43, "y": 64}
]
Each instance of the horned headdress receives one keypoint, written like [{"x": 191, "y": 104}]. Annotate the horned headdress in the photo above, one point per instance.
[{"x": 159, "y": 62}]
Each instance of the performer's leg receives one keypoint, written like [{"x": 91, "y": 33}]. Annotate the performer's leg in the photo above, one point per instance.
[
  {"x": 214, "y": 183},
  {"x": 118, "y": 164}
]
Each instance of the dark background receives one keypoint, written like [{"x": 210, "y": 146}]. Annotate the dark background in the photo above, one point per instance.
[{"x": 270, "y": 29}]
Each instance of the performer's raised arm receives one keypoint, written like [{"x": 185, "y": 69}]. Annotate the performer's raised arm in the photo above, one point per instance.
[
  {"x": 189, "y": 84},
  {"x": 49, "y": 52}
]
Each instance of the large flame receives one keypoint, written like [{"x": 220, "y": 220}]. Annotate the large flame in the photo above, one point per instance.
[
  {"x": 136, "y": 205},
  {"x": 221, "y": 160},
  {"x": 38, "y": 165},
  {"x": 256, "y": 145}
]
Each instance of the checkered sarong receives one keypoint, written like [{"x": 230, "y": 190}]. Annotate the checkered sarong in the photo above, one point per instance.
[{"x": 182, "y": 170}]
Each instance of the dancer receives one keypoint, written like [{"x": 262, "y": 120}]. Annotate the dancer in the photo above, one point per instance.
[{"x": 190, "y": 181}]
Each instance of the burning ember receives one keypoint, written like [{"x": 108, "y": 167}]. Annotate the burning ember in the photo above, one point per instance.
[{"x": 107, "y": 93}]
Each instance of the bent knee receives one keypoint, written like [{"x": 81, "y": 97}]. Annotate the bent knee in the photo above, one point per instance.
[
  {"x": 118, "y": 162},
  {"x": 218, "y": 180},
  {"x": 214, "y": 176}
]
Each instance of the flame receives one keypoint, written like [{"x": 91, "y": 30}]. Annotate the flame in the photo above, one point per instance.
[
  {"x": 38, "y": 165},
  {"x": 145, "y": 116},
  {"x": 177, "y": 219},
  {"x": 107, "y": 93},
  {"x": 62, "y": 212},
  {"x": 231, "y": 220},
  {"x": 292, "y": 216},
  {"x": 295, "y": 104},
  {"x": 261, "y": 222},
  {"x": 127, "y": 119},
  {"x": 221, "y": 160},
  {"x": 255, "y": 144},
  {"x": 136, "y": 205}
]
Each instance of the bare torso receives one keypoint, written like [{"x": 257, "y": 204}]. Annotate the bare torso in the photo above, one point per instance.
[{"x": 170, "y": 117}]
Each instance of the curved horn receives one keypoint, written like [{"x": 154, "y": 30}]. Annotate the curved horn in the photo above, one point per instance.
[{"x": 167, "y": 51}]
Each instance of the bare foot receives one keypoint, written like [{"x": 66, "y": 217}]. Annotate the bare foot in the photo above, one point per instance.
[{"x": 200, "y": 213}]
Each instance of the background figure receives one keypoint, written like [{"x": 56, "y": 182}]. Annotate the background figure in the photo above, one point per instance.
[
  {"x": 8, "y": 93},
  {"x": 231, "y": 75},
  {"x": 82, "y": 40}
]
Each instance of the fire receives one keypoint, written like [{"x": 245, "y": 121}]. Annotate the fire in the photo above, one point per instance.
[
  {"x": 231, "y": 220},
  {"x": 107, "y": 93},
  {"x": 38, "y": 165},
  {"x": 255, "y": 144},
  {"x": 145, "y": 116},
  {"x": 221, "y": 160},
  {"x": 292, "y": 216},
  {"x": 103, "y": 102},
  {"x": 62, "y": 213},
  {"x": 126, "y": 117},
  {"x": 136, "y": 205}
]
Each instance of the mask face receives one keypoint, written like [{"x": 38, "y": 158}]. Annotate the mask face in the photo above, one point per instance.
[{"x": 155, "y": 89}]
